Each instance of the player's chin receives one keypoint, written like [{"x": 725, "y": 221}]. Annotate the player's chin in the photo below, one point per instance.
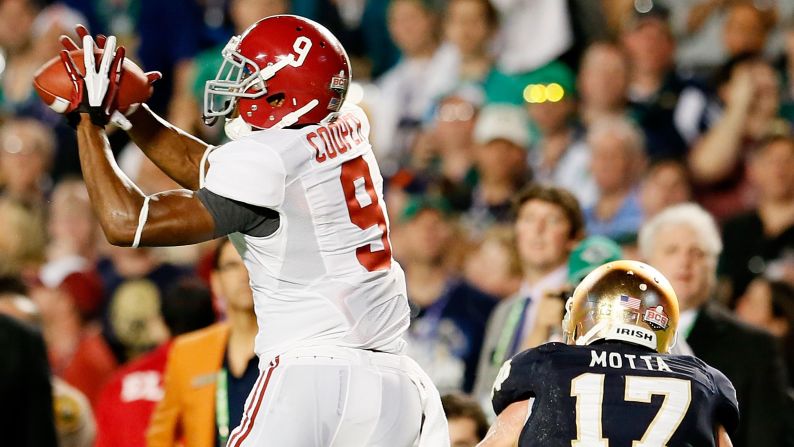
[{"x": 235, "y": 111}]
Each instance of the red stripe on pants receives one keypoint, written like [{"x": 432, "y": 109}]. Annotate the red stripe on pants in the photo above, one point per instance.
[{"x": 250, "y": 418}]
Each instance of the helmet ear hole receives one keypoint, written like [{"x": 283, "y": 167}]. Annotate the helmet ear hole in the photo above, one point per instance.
[{"x": 276, "y": 100}]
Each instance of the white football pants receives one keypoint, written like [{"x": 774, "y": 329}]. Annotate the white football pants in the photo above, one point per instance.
[{"x": 339, "y": 397}]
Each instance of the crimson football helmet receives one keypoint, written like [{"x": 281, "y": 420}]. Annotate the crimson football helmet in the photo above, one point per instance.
[{"x": 283, "y": 70}]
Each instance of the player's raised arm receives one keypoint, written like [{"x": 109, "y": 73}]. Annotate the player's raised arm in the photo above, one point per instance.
[
  {"x": 127, "y": 216},
  {"x": 174, "y": 151}
]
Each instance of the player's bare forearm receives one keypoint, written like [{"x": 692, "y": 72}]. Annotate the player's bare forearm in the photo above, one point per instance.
[
  {"x": 508, "y": 425},
  {"x": 115, "y": 199},
  {"x": 175, "y": 152},
  {"x": 173, "y": 217}
]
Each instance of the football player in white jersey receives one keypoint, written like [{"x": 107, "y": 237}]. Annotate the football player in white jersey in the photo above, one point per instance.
[{"x": 300, "y": 193}]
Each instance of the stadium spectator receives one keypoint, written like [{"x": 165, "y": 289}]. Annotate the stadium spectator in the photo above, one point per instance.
[
  {"x": 134, "y": 318},
  {"x": 22, "y": 238},
  {"x": 557, "y": 154},
  {"x": 74, "y": 420},
  {"x": 403, "y": 100},
  {"x": 750, "y": 90},
  {"x": 761, "y": 241},
  {"x": 26, "y": 148},
  {"x": 61, "y": 418},
  {"x": 16, "y": 19},
  {"x": 493, "y": 266},
  {"x": 656, "y": 90},
  {"x": 26, "y": 416},
  {"x": 133, "y": 391},
  {"x": 683, "y": 243},
  {"x": 465, "y": 58},
  {"x": 72, "y": 232},
  {"x": 14, "y": 300},
  {"x": 711, "y": 31},
  {"x": 618, "y": 163},
  {"x": 446, "y": 334},
  {"x": 210, "y": 372},
  {"x": 17, "y": 95},
  {"x": 20, "y": 53},
  {"x": 139, "y": 276},
  {"x": 602, "y": 82},
  {"x": 588, "y": 254},
  {"x": 78, "y": 353},
  {"x": 746, "y": 28},
  {"x": 548, "y": 224},
  {"x": 785, "y": 67},
  {"x": 501, "y": 137},
  {"x": 450, "y": 146},
  {"x": 769, "y": 305},
  {"x": 467, "y": 422},
  {"x": 665, "y": 183}
]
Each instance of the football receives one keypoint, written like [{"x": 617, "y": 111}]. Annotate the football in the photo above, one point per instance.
[{"x": 54, "y": 85}]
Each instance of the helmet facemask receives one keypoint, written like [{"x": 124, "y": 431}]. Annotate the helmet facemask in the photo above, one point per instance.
[{"x": 238, "y": 77}]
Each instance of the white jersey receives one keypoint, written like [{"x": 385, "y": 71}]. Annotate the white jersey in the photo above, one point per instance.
[{"x": 326, "y": 276}]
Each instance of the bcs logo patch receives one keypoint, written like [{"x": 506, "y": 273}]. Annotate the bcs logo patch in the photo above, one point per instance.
[
  {"x": 339, "y": 83},
  {"x": 656, "y": 318}
]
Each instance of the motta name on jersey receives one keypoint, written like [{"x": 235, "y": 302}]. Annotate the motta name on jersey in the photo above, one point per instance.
[
  {"x": 336, "y": 138},
  {"x": 617, "y": 360}
]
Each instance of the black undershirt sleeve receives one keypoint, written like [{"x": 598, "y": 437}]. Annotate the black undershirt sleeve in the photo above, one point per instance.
[{"x": 232, "y": 216}]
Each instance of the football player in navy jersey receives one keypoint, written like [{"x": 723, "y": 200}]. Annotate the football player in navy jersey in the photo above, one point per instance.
[{"x": 613, "y": 384}]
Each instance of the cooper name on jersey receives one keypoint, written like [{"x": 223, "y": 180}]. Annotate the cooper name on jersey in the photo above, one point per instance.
[
  {"x": 336, "y": 138},
  {"x": 617, "y": 360}
]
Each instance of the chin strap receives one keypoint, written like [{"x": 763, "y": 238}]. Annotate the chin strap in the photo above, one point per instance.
[
  {"x": 293, "y": 117},
  {"x": 237, "y": 128},
  {"x": 590, "y": 336}
]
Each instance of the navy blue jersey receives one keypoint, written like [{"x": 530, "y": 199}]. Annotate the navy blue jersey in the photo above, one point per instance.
[{"x": 616, "y": 392}]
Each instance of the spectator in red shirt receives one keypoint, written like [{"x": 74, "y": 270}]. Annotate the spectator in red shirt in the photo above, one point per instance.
[
  {"x": 132, "y": 392},
  {"x": 77, "y": 350}
]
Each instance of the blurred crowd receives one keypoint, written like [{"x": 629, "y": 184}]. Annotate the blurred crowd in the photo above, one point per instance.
[{"x": 523, "y": 142}]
